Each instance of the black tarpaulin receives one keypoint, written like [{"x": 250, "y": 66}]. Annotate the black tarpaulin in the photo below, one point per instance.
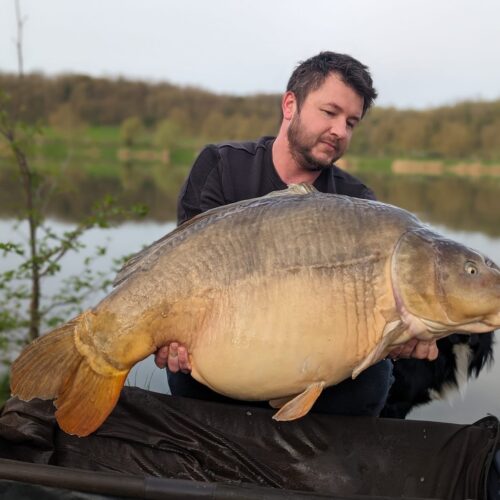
[{"x": 151, "y": 435}]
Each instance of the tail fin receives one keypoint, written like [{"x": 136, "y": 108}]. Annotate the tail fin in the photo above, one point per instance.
[{"x": 51, "y": 367}]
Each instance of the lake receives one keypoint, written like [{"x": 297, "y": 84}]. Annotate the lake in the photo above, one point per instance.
[{"x": 461, "y": 209}]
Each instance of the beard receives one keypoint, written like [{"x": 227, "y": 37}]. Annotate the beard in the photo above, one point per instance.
[{"x": 301, "y": 146}]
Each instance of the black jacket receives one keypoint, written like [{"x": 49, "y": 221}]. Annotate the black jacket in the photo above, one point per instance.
[{"x": 230, "y": 172}]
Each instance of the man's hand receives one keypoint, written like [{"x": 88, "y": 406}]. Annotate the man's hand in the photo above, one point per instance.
[
  {"x": 174, "y": 356},
  {"x": 414, "y": 348}
]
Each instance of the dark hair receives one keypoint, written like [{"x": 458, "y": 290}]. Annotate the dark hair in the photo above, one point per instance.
[{"x": 310, "y": 75}]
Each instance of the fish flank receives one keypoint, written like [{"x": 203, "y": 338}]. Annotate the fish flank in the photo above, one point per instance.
[
  {"x": 370, "y": 301},
  {"x": 144, "y": 260},
  {"x": 358, "y": 301},
  {"x": 372, "y": 278},
  {"x": 345, "y": 293}
]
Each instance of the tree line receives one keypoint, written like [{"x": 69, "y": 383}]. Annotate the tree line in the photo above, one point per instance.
[{"x": 466, "y": 130}]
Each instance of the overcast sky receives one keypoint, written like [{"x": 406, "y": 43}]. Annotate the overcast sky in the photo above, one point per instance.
[{"x": 421, "y": 52}]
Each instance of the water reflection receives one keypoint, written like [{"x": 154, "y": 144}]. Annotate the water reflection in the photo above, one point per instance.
[
  {"x": 70, "y": 195},
  {"x": 471, "y": 204}
]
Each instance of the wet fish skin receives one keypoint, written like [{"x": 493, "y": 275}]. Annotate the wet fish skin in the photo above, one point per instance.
[{"x": 274, "y": 298}]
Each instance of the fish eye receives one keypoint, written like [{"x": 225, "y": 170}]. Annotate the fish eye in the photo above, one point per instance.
[{"x": 471, "y": 268}]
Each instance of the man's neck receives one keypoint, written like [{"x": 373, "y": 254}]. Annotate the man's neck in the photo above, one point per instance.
[{"x": 287, "y": 167}]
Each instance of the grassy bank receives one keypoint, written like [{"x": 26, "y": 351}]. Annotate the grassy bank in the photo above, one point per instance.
[{"x": 102, "y": 152}]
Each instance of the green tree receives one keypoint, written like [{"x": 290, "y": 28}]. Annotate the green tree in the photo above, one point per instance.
[
  {"x": 412, "y": 136},
  {"x": 453, "y": 140},
  {"x": 131, "y": 130},
  {"x": 168, "y": 135},
  {"x": 213, "y": 126},
  {"x": 490, "y": 142},
  {"x": 66, "y": 120},
  {"x": 180, "y": 117}
]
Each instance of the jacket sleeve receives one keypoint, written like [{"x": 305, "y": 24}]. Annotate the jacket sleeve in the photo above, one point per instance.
[
  {"x": 368, "y": 194},
  {"x": 203, "y": 187}
]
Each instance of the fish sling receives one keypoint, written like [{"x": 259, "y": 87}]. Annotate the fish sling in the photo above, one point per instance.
[{"x": 275, "y": 298}]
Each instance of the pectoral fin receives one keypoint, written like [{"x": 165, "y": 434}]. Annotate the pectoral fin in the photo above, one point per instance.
[
  {"x": 394, "y": 331},
  {"x": 299, "y": 405}
]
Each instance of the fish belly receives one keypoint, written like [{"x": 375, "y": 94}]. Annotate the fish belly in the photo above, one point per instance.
[{"x": 273, "y": 338}]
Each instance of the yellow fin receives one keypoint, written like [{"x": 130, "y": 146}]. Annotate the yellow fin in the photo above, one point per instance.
[
  {"x": 44, "y": 365},
  {"x": 300, "y": 404},
  {"x": 52, "y": 367},
  {"x": 87, "y": 400}
]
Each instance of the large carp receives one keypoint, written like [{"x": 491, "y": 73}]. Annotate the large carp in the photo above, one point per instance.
[{"x": 275, "y": 298}]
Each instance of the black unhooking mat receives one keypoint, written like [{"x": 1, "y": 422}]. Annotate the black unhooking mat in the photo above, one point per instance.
[{"x": 157, "y": 446}]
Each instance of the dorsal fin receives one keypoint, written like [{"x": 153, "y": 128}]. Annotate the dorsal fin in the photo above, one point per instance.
[{"x": 293, "y": 189}]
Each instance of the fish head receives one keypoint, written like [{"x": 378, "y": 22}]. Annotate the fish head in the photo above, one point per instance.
[{"x": 447, "y": 285}]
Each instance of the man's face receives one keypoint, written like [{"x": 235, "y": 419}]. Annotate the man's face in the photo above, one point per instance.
[{"x": 320, "y": 133}]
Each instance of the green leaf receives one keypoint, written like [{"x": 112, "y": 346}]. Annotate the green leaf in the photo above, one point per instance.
[{"x": 9, "y": 247}]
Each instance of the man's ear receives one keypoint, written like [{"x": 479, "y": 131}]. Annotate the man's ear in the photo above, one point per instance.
[{"x": 288, "y": 105}]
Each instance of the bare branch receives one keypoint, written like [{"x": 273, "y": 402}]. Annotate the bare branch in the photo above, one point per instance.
[{"x": 19, "y": 41}]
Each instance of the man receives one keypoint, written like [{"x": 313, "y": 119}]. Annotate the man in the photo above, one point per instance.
[{"x": 326, "y": 98}]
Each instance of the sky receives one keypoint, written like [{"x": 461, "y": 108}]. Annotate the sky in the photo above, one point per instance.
[{"x": 421, "y": 53}]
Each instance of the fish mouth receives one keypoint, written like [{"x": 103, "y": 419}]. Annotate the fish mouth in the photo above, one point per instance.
[
  {"x": 439, "y": 330},
  {"x": 493, "y": 321}
]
